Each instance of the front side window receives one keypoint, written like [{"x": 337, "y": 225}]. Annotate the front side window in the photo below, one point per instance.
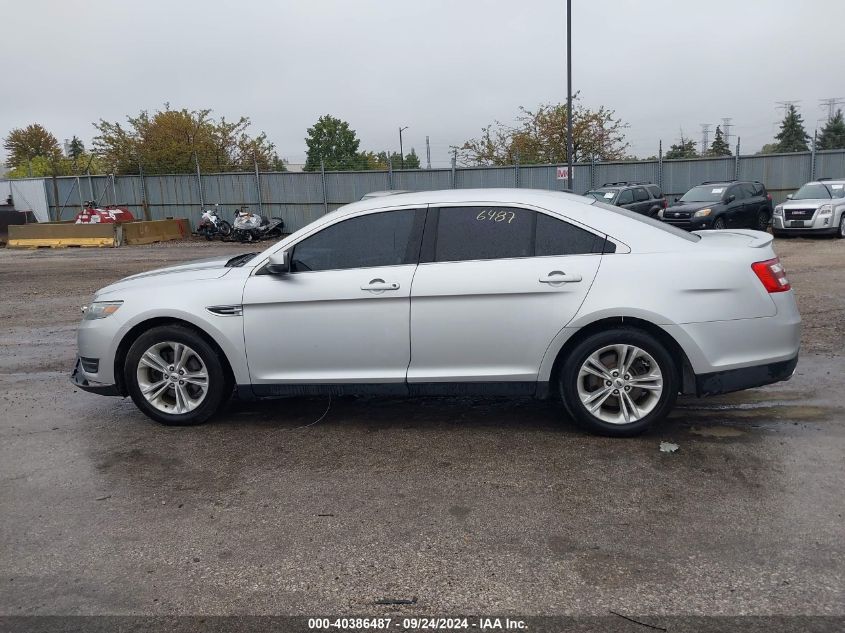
[
  {"x": 391, "y": 238},
  {"x": 626, "y": 197},
  {"x": 655, "y": 191},
  {"x": 640, "y": 194},
  {"x": 737, "y": 192}
]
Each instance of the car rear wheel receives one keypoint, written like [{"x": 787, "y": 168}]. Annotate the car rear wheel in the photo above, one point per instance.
[
  {"x": 719, "y": 224},
  {"x": 762, "y": 221},
  {"x": 175, "y": 377},
  {"x": 841, "y": 233},
  {"x": 619, "y": 382}
]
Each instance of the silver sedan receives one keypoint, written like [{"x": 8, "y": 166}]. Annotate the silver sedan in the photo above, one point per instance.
[{"x": 506, "y": 292}]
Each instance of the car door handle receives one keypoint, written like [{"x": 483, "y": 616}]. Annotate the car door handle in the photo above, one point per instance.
[
  {"x": 559, "y": 277},
  {"x": 380, "y": 285}
]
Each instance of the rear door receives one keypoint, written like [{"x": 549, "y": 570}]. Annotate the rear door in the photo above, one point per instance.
[
  {"x": 642, "y": 201},
  {"x": 494, "y": 286}
]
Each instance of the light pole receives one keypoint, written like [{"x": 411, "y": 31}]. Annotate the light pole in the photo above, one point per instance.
[
  {"x": 401, "y": 153},
  {"x": 569, "y": 94}
]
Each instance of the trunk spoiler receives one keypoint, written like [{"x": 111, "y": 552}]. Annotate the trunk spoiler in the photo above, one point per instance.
[{"x": 759, "y": 239}]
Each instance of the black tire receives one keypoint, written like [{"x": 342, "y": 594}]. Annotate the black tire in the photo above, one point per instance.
[
  {"x": 840, "y": 234},
  {"x": 568, "y": 381},
  {"x": 219, "y": 383},
  {"x": 208, "y": 235},
  {"x": 718, "y": 224},
  {"x": 762, "y": 221},
  {"x": 225, "y": 228}
]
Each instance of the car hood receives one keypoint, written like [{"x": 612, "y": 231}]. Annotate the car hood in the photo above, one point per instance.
[
  {"x": 691, "y": 206},
  {"x": 196, "y": 270},
  {"x": 812, "y": 203}
]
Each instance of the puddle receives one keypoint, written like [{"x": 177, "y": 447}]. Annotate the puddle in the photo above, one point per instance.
[
  {"x": 717, "y": 431},
  {"x": 751, "y": 412}
]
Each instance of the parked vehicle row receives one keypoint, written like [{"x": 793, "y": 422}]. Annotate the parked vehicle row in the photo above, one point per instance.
[
  {"x": 641, "y": 197},
  {"x": 475, "y": 291}
]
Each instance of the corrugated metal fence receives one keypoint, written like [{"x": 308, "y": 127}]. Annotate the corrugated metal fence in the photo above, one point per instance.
[{"x": 302, "y": 197}]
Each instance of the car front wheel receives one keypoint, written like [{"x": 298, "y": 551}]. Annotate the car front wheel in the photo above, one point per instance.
[
  {"x": 719, "y": 224},
  {"x": 175, "y": 377},
  {"x": 619, "y": 382},
  {"x": 841, "y": 233}
]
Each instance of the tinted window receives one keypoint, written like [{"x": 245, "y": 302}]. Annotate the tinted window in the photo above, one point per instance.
[
  {"x": 379, "y": 239},
  {"x": 640, "y": 194},
  {"x": 759, "y": 190},
  {"x": 738, "y": 192},
  {"x": 465, "y": 233},
  {"x": 748, "y": 190},
  {"x": 626, "y": 197},
  {"x": 655, "y": 191},
  {"x": 556, "y": 237}
]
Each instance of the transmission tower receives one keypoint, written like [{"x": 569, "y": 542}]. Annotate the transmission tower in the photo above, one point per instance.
[
  {"x": 831, "y": 104},
  {"x": 705, "y": 136},
  {"x": 784, "y": 105},
  {"x": 726, "y": 129}
]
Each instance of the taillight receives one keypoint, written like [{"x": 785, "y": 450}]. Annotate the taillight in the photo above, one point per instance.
[
  {"x": 772, "y": 275},
  {"x": 665, "y": 203},
  {"x": 768, "y": 196}
]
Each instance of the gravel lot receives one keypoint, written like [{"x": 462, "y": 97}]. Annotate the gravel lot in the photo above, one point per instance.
[{"x": 466, "y": 505}]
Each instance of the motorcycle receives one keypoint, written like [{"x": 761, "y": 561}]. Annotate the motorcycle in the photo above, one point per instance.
[
  {"x": 213, "y": 225},
  {"x": 249, "y": 227}
]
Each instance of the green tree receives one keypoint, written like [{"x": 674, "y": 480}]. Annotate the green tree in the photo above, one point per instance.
[
  {"x": 335, "y": 143},
  {"x": 174, "y": 141},
  {"x": 41, "y": 167},
  {"x": 76, "y": 148},
  {"x": 832, "y": 135},
  {"x": 769, "y": 148},
  {"x": 684, "y": 148},
  {"x": 719, "y": 146},
  {"x": 539, "y": 137},
  {"x": 24, "y": 144},
  {"x": 792, "y": 136}
]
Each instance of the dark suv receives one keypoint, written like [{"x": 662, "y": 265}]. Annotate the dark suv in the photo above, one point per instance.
[
  {"x": 720, "y": 205},
  {"x": 642, "y": 197}
]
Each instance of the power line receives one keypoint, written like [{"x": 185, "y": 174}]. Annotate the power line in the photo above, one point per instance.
[{"x": 785, "y": 105}]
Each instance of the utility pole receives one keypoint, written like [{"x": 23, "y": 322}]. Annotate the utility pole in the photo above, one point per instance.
[
  {"x": 427, "y": 153},
  {"x": 705, "y": 137},
  {"x": 569, "y": 94},
  {"x": 401, "y": 151}
]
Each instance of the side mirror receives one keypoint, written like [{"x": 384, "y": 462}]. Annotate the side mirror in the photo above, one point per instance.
[
  {"x": 279, "y": 263},
  {"x": 676, "y": 198},
  {"x": 789, "y": 196},
  {"x": 730, "y": 198}
]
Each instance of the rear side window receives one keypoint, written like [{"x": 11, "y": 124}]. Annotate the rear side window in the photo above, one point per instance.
[
  {"x": 466, "y": 233},
  {"x": 478, "y": 233},
  {"x": 556, "y": 237},
  {"x": 391, "y": 238},
  {"x": 640, "y": 194},
  {"x": 759, "y": 189},
  {"x": 655, "y": 191}
]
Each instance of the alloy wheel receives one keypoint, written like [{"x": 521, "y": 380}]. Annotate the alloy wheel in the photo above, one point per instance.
[
  {"x": 620, "y": 384},
  {"x": 172, "y": 377}
]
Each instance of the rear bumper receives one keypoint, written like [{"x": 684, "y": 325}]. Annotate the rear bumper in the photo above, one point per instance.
[
  {"x": 79, "y": 380},
  {"x": 744, "y": 378}
]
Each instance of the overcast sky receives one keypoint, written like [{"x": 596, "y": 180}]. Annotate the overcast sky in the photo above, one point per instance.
[{"x": 444, "y": 68}]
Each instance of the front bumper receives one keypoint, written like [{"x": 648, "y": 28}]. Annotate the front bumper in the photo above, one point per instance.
[
  {"x": 690, "y": 224},
  {"x": 816, "y": 224},
  {"x": 79, "y": 380},
  {"x": 744, "y": 378}
]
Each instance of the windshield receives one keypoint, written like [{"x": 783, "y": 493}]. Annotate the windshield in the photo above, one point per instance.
[
  {"x": 602, "y": 195},
  {"x": 668, "y": 228},
  {"x": 704, "y": 193},
  {"x": 819, "y": 191}
]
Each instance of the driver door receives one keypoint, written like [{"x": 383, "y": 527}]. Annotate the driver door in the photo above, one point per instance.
[{"x": 342, "y": 314}]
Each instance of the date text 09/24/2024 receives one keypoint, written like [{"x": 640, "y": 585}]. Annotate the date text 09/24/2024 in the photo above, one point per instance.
[{"x": 417, "y": 623}]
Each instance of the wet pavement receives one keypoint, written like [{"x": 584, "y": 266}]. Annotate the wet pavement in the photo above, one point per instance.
[{"x": 468, "y": 505}]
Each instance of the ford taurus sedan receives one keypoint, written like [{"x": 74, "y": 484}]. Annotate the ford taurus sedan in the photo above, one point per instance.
[{"x": 505, "y": 292}]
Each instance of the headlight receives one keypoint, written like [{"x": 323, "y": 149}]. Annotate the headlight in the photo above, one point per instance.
[
  {"x": 825, "y": 209},
  {"x": 100, "y": 309},
  {"x": 779, "y": 210},
  {"x": 702, "y": 213},
  {"x": 660, "y": 214}
]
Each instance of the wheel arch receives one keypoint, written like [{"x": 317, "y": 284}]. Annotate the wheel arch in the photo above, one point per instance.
[
  {"x": 686, "y": 375},
  {"x": 138, "y": 329}
]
